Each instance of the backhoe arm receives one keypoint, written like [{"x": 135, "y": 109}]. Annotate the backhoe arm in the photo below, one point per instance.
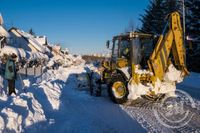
[{"x": 172, "y": 40}]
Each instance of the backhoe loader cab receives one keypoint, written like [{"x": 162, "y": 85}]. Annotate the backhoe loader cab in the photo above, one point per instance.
[
  {"x": 130, "y": 48},
  {"x": 141, "y": 65}
]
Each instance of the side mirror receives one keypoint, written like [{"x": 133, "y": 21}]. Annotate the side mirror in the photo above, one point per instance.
[{"x": 108, "y": 44}]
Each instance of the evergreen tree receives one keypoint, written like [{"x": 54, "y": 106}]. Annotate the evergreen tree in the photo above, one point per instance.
[
  {"x": 152, "y": 20},
  {"x": 193, "y": 20},
  {"x": 170, "y": 6},
  {"x": 31, "y": 32}
]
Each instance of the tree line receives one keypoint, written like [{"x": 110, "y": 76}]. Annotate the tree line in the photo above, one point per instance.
[{"x": 153, "y": 22}]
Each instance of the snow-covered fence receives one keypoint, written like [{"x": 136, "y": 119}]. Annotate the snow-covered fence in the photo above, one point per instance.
[{"x": 32, "y": 71}]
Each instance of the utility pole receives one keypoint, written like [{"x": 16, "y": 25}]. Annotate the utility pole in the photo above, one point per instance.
[{"x": 183, "y": 7}]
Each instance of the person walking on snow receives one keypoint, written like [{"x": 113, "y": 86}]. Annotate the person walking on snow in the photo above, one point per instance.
[{"x": 10, "y": 73}]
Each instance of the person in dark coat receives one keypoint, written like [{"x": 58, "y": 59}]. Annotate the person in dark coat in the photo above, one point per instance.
[{"x": 10, "y": 73}]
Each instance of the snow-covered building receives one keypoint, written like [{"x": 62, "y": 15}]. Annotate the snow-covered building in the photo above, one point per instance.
[
  {"x": 1, "y": 19},
  {"x": 24, "y": 45},
  {"x": 42, "y": 40},
  {"x": 3, "y": 35},
  {"x": 21, "y": 39}
]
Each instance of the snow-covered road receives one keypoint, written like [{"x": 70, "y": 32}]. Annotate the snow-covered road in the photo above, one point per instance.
[
  {"x": 191, "y": 85},
  {"x": 143, "y": 111},
  {"x": 53, "y": 103},
  {"x": 79, "y": 112}
]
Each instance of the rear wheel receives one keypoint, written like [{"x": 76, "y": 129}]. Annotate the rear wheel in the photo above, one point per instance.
[{"x": 118, "y": 90}]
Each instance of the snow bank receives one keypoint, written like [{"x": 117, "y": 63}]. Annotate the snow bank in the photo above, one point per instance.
[
  {"x": 53, "y": 92},
  {"x": 28, "y": 108},
  {"x": 167, "y": 86},
  {"x": 66, "y": 60},
  {"x": 25, "y": 109},
  {"x": 14, "y": 120},
  {"x": 19, "y": 112},
  {"x": 52, "y": 100}
]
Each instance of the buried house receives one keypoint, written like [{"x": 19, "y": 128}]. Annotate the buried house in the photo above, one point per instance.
[
  {"x": 21, "y": 39},
  {"x": 26, "y": 45},
  {"x": 3, "y": 34},
  {"x": 32, "y": 48}
]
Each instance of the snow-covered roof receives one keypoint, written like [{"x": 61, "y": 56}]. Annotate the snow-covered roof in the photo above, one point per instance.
[
  {"x": 3, "y": 32},
  {"x": 22, "y": 53},
  {"x": 1, "y": 19},
  {"x": 41, "y": 39},
  {"x": 32, "y": 40},
  {"x": 38, "y": 45}
]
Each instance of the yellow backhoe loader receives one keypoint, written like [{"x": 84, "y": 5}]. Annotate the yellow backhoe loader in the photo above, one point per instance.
[{"x": 144, "y": 64}]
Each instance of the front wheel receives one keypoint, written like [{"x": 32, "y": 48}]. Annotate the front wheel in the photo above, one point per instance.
[{"x": 118, "y": 90}]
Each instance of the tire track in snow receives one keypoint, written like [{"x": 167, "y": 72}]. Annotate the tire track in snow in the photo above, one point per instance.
[{"x": 143, "y": 112}]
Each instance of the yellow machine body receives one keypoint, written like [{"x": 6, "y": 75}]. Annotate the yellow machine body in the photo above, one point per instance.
[{"x": 169, "y": 43}]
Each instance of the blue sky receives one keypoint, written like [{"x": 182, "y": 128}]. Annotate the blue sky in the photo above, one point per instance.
[{"x": 81, "y": 25}]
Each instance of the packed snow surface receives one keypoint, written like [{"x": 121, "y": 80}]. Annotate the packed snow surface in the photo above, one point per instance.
[{"x": 52, "y": 102}]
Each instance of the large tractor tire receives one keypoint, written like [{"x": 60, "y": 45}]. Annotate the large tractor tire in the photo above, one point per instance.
[{"x": 118, "y": 90}]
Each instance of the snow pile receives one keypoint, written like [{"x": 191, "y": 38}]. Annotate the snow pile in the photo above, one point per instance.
[
  {"x": 26, "y": 83},
  {"x": 136, "y": 90},
  {"x": 173, "y": 75},
  {"x": 66, "y": 60},
  {"x": 28, "y": 108},
  {"x": 14, "y": 120},
  {"x": 53, "y": 92},
  {"x": 90, "y": 75},
  {"x": 19, "y": 112},
  {"x": 167, "y": 86},
  {"x": 22, "y": 53},
  {"x": 25, "y": 109}
]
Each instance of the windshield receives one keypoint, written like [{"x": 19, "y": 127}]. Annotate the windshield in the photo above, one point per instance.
[
  {"x": 124, "y": 50},
  {"x": 115, "y": 50}
]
